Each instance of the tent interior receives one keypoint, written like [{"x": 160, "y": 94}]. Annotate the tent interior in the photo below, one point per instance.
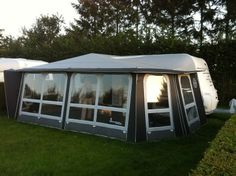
[{"x": 132, "y": 98}]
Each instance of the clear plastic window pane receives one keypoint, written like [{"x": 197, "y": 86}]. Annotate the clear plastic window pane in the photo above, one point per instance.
[
  {"x": 159, "y": 119},
  {"x": 54, "y": 87},
  {"x": 111, "y": 117},
  {"x": 192, "y": 113},
  {"x": 156, "y": 92},
  {"x": 81, "y": 113},
  {"x": 186, "y": 89},
  {"x": 33, "y": 86},
  {"x": 53, "y": 110},
  {"x": 30, "y": 107},
  {"x": 83, "y": 89},
  {"x": 114, "y": 91}
]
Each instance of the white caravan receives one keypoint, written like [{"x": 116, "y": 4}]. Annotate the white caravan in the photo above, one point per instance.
[
  {"x": 17, "y": 63},
  {"x": 208, "y": 91}
]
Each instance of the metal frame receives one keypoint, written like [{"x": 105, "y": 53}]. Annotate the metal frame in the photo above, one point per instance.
[
  {"x": 41, "y": 101},
  {"x": 190, "y": 104},
  {"x": 163, "y": 110},
  {"x": 97, "y": 107}
]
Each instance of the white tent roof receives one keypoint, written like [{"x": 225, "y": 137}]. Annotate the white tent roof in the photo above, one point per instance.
[
  {"x": 17, "y": 63},
  {"x": 109, "y": 63}
]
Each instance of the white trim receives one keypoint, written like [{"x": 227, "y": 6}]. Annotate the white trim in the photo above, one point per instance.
[
  {"x": 151, "y": 111},
  {"x": 29, "y": 113},
  {"x": 97, "y": 99},
  {"x": 109, "y": 108},
  {"x": 52, "y": 102},
  {"x": 192, "y": 104},
  {"x": 31, "y": 100},
  {"x": 161, "y": 110}
]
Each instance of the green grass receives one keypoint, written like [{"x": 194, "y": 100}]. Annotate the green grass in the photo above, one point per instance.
[{"x": 33, "y": 150}]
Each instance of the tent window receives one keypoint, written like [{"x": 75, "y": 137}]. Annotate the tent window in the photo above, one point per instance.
[
  {"x": 113, "y": 91},
  {"x": 53, "y": 110},
  {"x": 83, "y": 89},
  {"x": 82, "y": 96},
  {"x": 43, "y": 95},
  {"x": 32, "y": 86},
  {"x": 30, "y": 107},
  {"x": 188, "y": 97},
  {"x": 157, "y": 102},
  {"x": 54, "y": 85},
  {"x": 81, "y": 113},
  {"x": 159, "y": 119},
  {"x": 99, "y": 99},
  {"x": 111, "y": 117},
  {"x": 186, "y": 89}
]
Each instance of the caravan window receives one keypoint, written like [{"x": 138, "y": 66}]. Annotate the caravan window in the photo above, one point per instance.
[{"x": 157, "y": 102}]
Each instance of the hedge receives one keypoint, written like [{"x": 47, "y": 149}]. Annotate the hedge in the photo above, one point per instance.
[{"x": 220, "y": 158}]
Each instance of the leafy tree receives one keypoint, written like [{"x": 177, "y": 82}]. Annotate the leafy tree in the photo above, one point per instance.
[
  {"x": 225, "y": 21},
  {"x": 39, "y": 40}
]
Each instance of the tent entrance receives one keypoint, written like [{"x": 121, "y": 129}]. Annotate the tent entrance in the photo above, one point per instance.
[
  {"x": 158, "y": 113},
  {"x": 188, "y": 97}
]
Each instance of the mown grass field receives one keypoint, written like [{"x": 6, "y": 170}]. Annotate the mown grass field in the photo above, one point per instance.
[{"x": 27, "y": 150}]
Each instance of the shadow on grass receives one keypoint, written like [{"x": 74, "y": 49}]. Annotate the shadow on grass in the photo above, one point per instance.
[{"x": 33, "y": 150}]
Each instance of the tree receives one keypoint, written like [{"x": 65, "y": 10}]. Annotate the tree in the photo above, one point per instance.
[
  {"x": 225, "y": 22},
  {"x": 39, "y": 40},
  {"x": 1, "y": 37}
]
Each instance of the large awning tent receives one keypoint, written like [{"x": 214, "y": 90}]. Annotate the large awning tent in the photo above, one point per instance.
[
  {"x": 13, "y": 63},
  {"x": 133, "y": 98}
]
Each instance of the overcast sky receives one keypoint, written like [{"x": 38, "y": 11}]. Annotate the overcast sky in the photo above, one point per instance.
[{"x": 15, "y": 14}]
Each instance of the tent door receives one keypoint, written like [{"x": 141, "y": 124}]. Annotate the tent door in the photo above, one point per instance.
[{"x": 188, "y": 98}]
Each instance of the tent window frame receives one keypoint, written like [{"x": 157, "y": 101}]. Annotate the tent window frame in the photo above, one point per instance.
[
  {"x": 41, "y": 101},
  {"x": 97, "y": 107},
  {"x": 158, "y": 110},
  {"x": 190, "y": 105}
]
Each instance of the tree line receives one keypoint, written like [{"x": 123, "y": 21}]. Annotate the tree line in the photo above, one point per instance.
[{"x": 204, "y": 28}]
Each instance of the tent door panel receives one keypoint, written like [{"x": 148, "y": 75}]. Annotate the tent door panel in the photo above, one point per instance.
[{"x": 191, "y": 110}]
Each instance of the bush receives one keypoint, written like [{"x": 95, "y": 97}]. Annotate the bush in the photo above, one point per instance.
[{"x": 220, "y": 158}]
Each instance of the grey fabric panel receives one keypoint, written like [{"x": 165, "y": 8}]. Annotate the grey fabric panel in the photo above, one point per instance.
[
  {"x": 157, "y": 135},
  {"x": 66, "y": 100},
  {"x": 131, "y": 125},
  {"x": 140, "y": 110},
  {"x": 198, "y": 98},
  {"x": 42, "y": 121},
  {"x": 3, "y": 107},
  {"x": 12, "y": 91},
  {"x": 98, "y": 130},
  {"x": 179, "y": 117}
]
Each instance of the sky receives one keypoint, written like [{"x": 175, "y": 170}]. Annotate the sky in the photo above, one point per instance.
[{"x": 16, "y": 14}]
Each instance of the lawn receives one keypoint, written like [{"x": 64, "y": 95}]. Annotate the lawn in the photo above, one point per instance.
[{"x": 33, "y": 150}]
